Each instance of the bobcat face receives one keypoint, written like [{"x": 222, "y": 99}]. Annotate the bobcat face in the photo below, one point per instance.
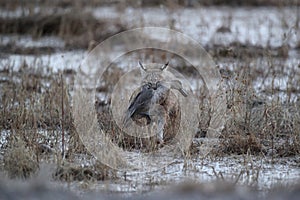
[{"x": 153, "y": 74}]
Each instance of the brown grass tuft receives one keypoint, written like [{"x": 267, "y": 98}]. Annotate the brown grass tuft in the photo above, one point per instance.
[
  {"x": 71, "y": 172},
  {"x": 20, "y": 161}
]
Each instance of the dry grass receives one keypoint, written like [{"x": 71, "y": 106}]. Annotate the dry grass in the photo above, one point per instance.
[
  {"x": 36, "y": 117},
  {"x": 32, "y": 114},
  {"x": 36, "y": 109},
  {"x": 257, "y": 125},
  {"x": 75, "y": 27},
  {"x": 20, "y": 161},
  {"x": 96, "y": 172}
]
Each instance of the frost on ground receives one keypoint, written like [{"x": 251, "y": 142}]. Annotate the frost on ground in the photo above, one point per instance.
[
  {"x": 194, "y": 182},
  {"x": 256, "y": 50},
  {"x": 265, "y": 27}
]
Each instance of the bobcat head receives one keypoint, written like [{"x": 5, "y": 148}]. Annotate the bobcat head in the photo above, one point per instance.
[{"x": 153, "y": 74}]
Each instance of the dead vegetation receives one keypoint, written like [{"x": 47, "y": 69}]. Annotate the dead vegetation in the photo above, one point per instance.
[
  {"x": 37, "y": 118},
  {"x": 257, "y": 125},
  {"x": 36, "y": 110},
  {"x": 96, "y": 172},
  {"x": 75, "y": 27},
  {"x": 20, "y": 161},
  {"x": 240, "y": 51}
]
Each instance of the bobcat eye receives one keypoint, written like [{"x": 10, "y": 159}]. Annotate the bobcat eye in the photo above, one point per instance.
[
  {"x": 149, "y": 85},
  {"x": 159, "y": 84}
]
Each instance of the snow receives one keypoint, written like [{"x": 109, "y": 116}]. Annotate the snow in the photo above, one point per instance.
[
  {"x": 56, "y": 61},
  {"x": 27, "y": 41},
  {"x": 259, "y": 26}
]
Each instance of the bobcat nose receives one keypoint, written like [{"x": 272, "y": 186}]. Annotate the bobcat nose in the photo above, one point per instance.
[{"x": 156, "y": 85}]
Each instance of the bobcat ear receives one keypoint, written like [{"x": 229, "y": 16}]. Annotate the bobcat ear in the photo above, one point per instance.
[
  {"x": 164, "y": 66},
  {"x": 142, "y": 66}
]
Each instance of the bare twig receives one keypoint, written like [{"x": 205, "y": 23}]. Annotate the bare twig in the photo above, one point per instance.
[{"x": 62, "y": 117}]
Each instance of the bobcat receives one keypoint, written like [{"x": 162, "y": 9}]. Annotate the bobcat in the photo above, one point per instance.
[{"x": 154, "y": 101}]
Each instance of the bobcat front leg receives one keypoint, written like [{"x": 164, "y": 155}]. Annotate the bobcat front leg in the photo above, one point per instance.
[{"x": 158, "y": 116}]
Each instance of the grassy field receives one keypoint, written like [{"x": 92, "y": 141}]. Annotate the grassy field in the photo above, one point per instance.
[{"x": 261, "y": 80}]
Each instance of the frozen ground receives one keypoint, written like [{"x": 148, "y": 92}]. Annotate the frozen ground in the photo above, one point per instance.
[
  {"x": 256, "y": 172},
  {"x": 262, "y": 26},
  {"x": 210, "y": 26},
  {"x": 262, "y": 174}
]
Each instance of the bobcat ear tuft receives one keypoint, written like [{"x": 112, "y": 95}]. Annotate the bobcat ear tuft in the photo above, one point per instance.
[
  {"x": 142, "y": 66},
  {"x": 164, "y": 66}
]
